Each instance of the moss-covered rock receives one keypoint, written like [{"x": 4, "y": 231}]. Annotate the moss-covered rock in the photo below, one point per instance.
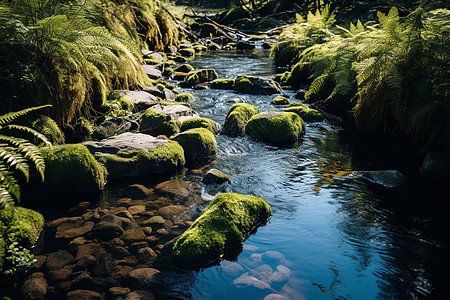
[
  {"x": 184, "y": 68},
  {"x": 276, "y": 127},
  {"x": 154, "y": 123},
  {"x": 200, "y": 123},
  {"x": 22, "y": 224},
  {"x": 72, "y": 168},
  {"x": 280, "y": 100},
  {"x": 233, "y": 14},
  {"x": 136, "y": 154},
  {"x": 199, "y": 76},
  {"x": 237, "y": 119},
  {"x": 225, "y": 84},
  {"x": 187, "y": 52},
  {"x": 220, "y": 229},
  {"x": 298, "y": 76},
  {"x": 208, "y": 30},
  {"x": 306, "y": 113},
  {"x": 256, "y": 85},
  {"x": 184, "y": 97},
  {"x": 197, "y": 143},
  {"x": 200, "y": 48}
]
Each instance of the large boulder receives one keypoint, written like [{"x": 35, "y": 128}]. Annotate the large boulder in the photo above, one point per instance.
[
  {"x": 197, "y": 143},
  {"x": 220, "y": 229},
  {"x": 200, "y": 76},
  {"x": 224, "y": 84},
  {"x": 72, "y": 168},
  {"x": 306, "y": 113},
  {"x": 237, "y": 119},
  {"x": 256, "y": 85},
  {"x": 154, "y": 123},
  {"x": 136, "y": 154},
  {"x": 276, "y": 127},
  {"x": 200, "y": 123}
]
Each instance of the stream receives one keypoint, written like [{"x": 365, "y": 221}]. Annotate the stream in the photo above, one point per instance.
[{"x": 332, "y": 235}]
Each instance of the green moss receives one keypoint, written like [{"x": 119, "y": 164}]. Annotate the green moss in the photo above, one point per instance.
[
  {"x": 299, "y": 75},
  {"x": 150, "y": 61},
  {"x": 167, "y": 158},
  {"x": 257, "y": 37},
  {"x": 199, "y": 123},
  {"x": 197, "y": 143},
  {"x": 184, "y": 97},
  {"x": 221, "y": 228},
  {"x": 113, "y": 95},
  {"x": 155, "y": 124},
  {"x": 72, "y": 168},
  {"x": 22, "y": 224},
  {"x": 200, "y": 48},
  {"x": 2, "y": 250},
  {"x": 237, "y": 119},
  {"x": 82, "y": 130},
  {"x": 280, "y": 100},
  {"x": 187, "y": 52},
  {"x": 256, "y": 85},
  {"x": 48, "y": 127},
  {"x": 199, "y": 76},
  {"x": 185, "y": 68},
  {"x": 234, "y": 14},
  {"x": 126, "y": 103},
  {"x": 307, "y": 114},
  {"x": 226, "y": 84},
  {"x": 276, "y": 127},
  {"x": 168, "y": 71}
]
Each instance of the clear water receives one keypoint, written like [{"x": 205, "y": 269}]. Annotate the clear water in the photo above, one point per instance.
[{"x": 339, "y": 236}]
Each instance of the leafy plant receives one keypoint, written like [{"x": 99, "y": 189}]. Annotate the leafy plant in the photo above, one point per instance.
[
  {"x": 20, "y": 258},
  {"x": 17, "y": 153}
]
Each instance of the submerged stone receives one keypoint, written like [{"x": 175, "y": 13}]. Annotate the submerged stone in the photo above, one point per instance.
[
  {"x": 221, "y": 228},
  {"x": 386, "y": 178}
]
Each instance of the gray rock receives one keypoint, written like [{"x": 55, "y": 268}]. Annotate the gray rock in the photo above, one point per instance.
[
  {"x": 175, "y": 111},
  {"x": 113, "y": 126},
  {"x": 142, "y": 100},
  {"x": 104, "y": 266},
  {"x": 152, "y": 71},
  {"x": 57, "y": 260},
  {"x": 34, "y": 288},
  {"x": 124, "y": 142},
  {"x": 154, "y": 90}
]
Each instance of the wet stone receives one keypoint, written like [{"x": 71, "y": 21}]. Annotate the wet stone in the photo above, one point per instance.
[
  {"x": 140, "y": 295},
  {"x": 58, "y": 275},
  {"x": 86, "y": 249},
  {"x": 136, "y": 209},
  {"x": 73, "y": 227},
  {"x": 34, "y": 288},
  {"x": 117, "y": 292},
  {"x": 145, "y": 253},
  {"x": 156, "y": 221},
  {"x": 85, "y": 262},
  {"x": 144, "y": 277},
  {"x": 83, "y": 295},
  {"x": 57, "y": 260},
  {"x": 77, "y": 242},
  {"x": 104, "y": 266}
]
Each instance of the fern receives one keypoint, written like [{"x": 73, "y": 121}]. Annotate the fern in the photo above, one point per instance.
[{"x": 16, "y": 156}]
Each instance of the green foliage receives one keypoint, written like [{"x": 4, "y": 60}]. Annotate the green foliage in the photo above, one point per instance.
[
  {"x": 393, "y": 74},
  {"x": 19, "y": 257},
  {"x": 16, "y": 155}
]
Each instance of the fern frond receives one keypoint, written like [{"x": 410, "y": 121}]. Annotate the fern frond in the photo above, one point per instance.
[
  {"x": 9, "y": 117},
  {"x": 14, "y": 160},
  {"x": 39, "y": 136}
]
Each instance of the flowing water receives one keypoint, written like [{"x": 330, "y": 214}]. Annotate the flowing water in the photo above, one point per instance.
[{"x": 332, "y": 235}]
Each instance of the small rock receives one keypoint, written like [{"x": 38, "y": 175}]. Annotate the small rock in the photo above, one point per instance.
[
  {"x": 117, "y": 292},
  {"x": 133, "y": 235},
  {"x": 136, "y": 209},
  {"x": 144, "y": 277},
  {"x": 34, "y": 288},
  {"x": 104, "y": 266},
  {"x": 57, "y": 260},
  {"x": 147, "y": 230},
  {"x": 152, "y": 71},
  {"x": 107, "y": 230},
  {"x": 145, "y": 253},
  {"x": 85, "y": 262},
  {"x": 215, "y": 176},
  {"x": 73, "y": 227},
  {"x": 140, "y": 295},
  {"x": 172, "y": 211},
  {"x": 156, "y": 221},
  {"x": 83, "y": 295},
  {"x": 58, "y": 275},
  {"x": 77, "y": 242},
  {"x": 86, "y": 249}
]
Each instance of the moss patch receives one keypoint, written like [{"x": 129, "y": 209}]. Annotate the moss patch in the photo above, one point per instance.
[
  {"x": 72, "y": 168},
  {"x": 276, "y": 127},
  {"x": 185, "y": 68},
  {"x": 200, "y": 76},
  {"x": 187, "y": 52},
  {"x": 198, "y": 143},
  {"x": 48, "y": 127},
  {"x": 155, "y": 124},
  {"x": 199, "y": 123},
  {"x": 280, "y": 100},
  {"x": 221, "y": 228},
  {"x": 306, "y": 113},
  {"x": 167, "y": 158},
  {"x": 184, "y": 97},
  {"x": 226, "y": 84},
  {"x": 22, "y": 224},
  {"x": 237, "y": 119}
]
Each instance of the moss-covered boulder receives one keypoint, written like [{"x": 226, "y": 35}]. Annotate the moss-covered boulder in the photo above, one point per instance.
[
  {"x": 220, "y": 229},
  {"x": 200, "y": 123},
  {"x": 184, "y": 97},
  {"x": 187, "y": 52},
  {"x": 209, "y": 30},
  {"x": 184, "y": 68},
  {"x": 72, "y": 168},
  {"x": 306, "y": 113},
  {"x": 23, "y": 224},
  {"x": 276, "y": 127},
  {"x": 137, "y": 154},
  {"x": 280, "y": 100},
  {"x": 225, "y": 84},
  {"x": 237, "y": 119},
  {"x": 200, "y": 48},
  {"x": 256, "y": 85},
  {"x": 197, "y": 143},
  {"x": 298, "y": 76},
  {"x": 48, "y": 127},
  {"x": 199, "y": 76},
  {"x": 155, "y": 124}
]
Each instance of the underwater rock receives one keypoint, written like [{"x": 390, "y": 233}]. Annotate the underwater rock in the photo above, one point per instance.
[{"x": 386, "y": 178}]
